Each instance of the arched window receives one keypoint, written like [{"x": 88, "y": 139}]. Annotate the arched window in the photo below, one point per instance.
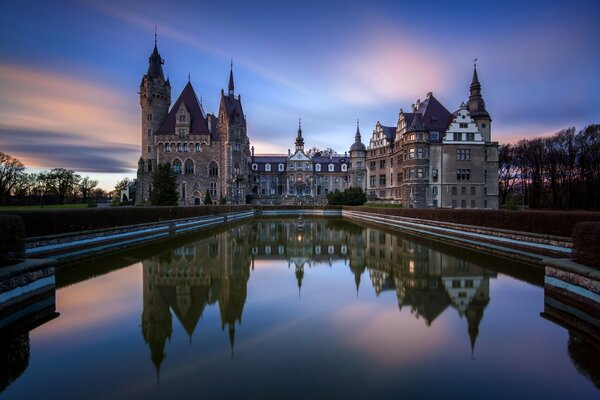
[
  {"x": 344, "y": 168},
  {"x": 330, "y": 167},
  {"x": 236, "y": 169},
  {"x": 176, "y": 166},
  {"x": 189, "y": 167},
  {"x": 318, "y": 167},
  {"x": 185, "y": 147},
  {"x": 213, "y": 169},
  {"x": 198, "y": 147}
]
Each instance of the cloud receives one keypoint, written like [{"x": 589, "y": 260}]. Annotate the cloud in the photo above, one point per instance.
[{"x": 44, "y": 149}]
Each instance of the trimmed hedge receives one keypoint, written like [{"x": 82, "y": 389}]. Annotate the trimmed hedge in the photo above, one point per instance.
[
  {"x": 52, "y": 222},
  {"x": 12, "y": 239},
  {"x": 555, "y": 223},
  {"x": 586, "y": 243}
]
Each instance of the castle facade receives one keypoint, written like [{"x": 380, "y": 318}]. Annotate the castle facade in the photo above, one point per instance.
[{"x": 432, "y": 158}]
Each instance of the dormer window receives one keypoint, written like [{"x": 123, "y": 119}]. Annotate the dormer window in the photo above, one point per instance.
[
  {"x": 318, "y": 167},
  {"x": 344, "y": 168},
  {"x": 254, "y": 167},
  {"x": 281, "y": 167},
  {"x": 267, "y": 167},
  {"x": 330, "y": 167},
  {"x": 182, "y": 118}
]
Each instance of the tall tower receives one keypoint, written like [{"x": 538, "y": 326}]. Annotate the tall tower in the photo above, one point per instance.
[
  {"x": 299, "y": 138},
  {"x": 155, "y": 98},
  {"x": 476, "y": 107},
  {"x": 358, "y": 155}
]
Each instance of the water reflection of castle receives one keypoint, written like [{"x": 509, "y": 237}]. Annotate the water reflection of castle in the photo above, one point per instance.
[{"x": 216, "y": 270}]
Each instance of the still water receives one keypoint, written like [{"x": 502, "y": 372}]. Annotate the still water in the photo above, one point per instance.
[{"x": 264, "y": 310}]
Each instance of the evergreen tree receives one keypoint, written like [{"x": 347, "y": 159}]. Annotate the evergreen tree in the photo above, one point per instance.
[
  {"x": 164, "y": 186},
  {"x": 207, "y": 199},
  {"x": 353, "y": 196}
]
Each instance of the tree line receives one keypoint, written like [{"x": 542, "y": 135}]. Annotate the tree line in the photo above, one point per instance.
[
  {"x": 560, "y": 171},
  {"x": 57, "y": 186}
]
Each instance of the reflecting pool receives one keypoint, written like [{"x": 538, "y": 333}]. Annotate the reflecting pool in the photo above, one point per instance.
[{"x": 266, "y": 310}]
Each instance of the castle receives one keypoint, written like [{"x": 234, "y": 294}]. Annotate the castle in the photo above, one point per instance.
[{"x": 432, "y": 158}]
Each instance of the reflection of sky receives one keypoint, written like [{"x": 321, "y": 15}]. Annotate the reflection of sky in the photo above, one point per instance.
[
  {"x": 328, "y": 343},
  {"x": 70, "y": 70}
]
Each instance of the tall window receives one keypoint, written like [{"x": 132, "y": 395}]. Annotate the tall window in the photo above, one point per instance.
[
  {"x": 457, "y": 137},
  {"x": 381, "y": 164},
  {"x": 198, "y": 149},
  {"x": 419, "y": 153},
  {"x": 189, "y": 167},
  {"x": 282, "y": 167},
  {"x": 213, "y": 189},
  {"x": 267, "y": 167},
  {"x": 411, "y": 154},
  {"x": 176, "y": 166},
  {"x": 213, "y": 169},
  {"x": 434, "y": 174},
  {"x": 463, "y": 174},
  {"x": 372, "y": 180},
  {"x": 372, "y": 165},
  {"x": 463, "y": 154},
  {"x": 181, "y": 133},
  {"x": 167, "y": 147},
  {"x": 330, "y": 166},
  {"x": 382, "y": 180},
  {"x": 471, "y": 136},
  {"x": 185, "y": 147},
  {"x": 179, "y": 148},
  {"x": 149, "y": 117},
  {"x": 149, "y": 132}
]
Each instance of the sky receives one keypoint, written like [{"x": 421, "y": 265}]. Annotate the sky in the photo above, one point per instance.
[{"x": 70, "y": 70}]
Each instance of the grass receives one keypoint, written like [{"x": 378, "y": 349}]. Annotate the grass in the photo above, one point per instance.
[{"x": 33, "y": 208}]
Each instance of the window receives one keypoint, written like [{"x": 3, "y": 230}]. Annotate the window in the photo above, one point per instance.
[
  {"x": 419, "y": 153},
  {"x": 434, "y": 135},
  {"x": 434, "y": 190},
  {"x": 181, "y": 133},
  {"x": 381, "y": 164},
  {"x": 213, "y": 169},
  {"x": 149, "y": 165},
  {"x": 189, "y": 167},
  {"x": 454, "y": 193},
  {"x": 463, "y": 174},
  {"x": 167, "y": 147},
  {"x": 176, "y": 166},
  {"x": 411, "y": 154},
  {"x": 391, "y": 161},
  {"x": 359, "y": 178},
  {"x": 149, "y": 132},
  {"x": 472, "y": 203},
  {"x": 420, "y": 173},
  {"x": 463, "y": 154},
  {"x": 464, "y": 125},
  {"x": 455, "y": 284},
  {"x": 373, "y": 165},
  {"x": 344, "y": 167},
  {"x": 457, "y": 137},
  {"x": 254, "y": 167},
  {"x": 198, "y": 148},
  {"x": 185, "y": 147},
  {"x": 213, "y": 189},
  {"x": 382, "y": 180},
  {"x": 472, "y": 190},
  {"x": 372, "y": 180},
  {"x": 336, "y": 180},
  {"x": 434, "y": 174},
  {"x": 463, "y": 204},
  {"x": 453, "y": 203},
  {"x": 469, "y": 283},
  {"x": 179, "y": 148},
  {"x": 411, "y": 173},
  {"x": 471, "y": 136},
  {"x": 149, "y": 149},
  {"x": 463, "y": 190},
  {"x": 483, "y": 125},
  {"x": 281, "y": 167},
  {"x": 330, "y": 167},
  {"x": 268, "y": 167},
  {"x": 399, "y": 177},
  {"x": 149, "y": 117},
  {"x": 318, "y": 167},
  {"x": 182, "y": 118}
]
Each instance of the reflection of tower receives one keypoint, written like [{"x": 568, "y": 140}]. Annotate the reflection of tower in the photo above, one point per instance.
[
  {"x": 233, "y": 289},
  {"x": 475, "y": 309},
  {"x": 357, "y": 270},
  {"x": 299, "y": 277},
  {"x": 156, "y": 316}
]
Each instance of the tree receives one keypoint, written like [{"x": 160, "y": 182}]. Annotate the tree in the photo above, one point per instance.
[
  {"x": 207, "y": 199},
  {"x": 62, "y": 182},
  {"x": 11, "y": 171},
  {"x": 353, "y": 196},
  {"x": 164, "y": 186},
  {"x": 86, "y": 185},
  {"x": 508, "y": 171}
]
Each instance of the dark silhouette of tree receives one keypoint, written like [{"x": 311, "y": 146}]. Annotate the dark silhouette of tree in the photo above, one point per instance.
[
  {"x": 86, "y": 185},
  {"x": 207, "y": 199},
  {"x": 353, "y": 196},
  {"x": 164, "y": 186},
  {"x": 11, "y": 171}
]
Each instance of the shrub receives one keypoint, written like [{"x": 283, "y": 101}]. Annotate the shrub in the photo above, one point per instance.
[
  {"x": 12, "y": 239},
  {"x": 353, "y": 196},
  {"x": 586, "y": 243}
]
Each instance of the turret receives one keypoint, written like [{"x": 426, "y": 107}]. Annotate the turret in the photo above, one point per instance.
[
  {"x": 299, "y": 138},
  {"x": 476, "y": 107}
]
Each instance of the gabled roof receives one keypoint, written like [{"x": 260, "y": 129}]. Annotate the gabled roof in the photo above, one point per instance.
[
  {"x": 233, "y": 107},
  {"x": 198, "y": 123},
  {"x": 434, "y": 116},
  {"x": 389, "y": 132}
]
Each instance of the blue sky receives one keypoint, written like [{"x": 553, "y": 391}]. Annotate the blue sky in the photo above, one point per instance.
[{"x": 70, "y": 70}]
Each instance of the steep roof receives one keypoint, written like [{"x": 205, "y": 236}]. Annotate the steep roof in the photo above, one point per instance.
[
  {"x": 155, "y": 63},
  {"x": 389, "y": 132},
  {"x": 198, "y": 121},
  {"x": 434, "y": 116},
  {"x": 233, "y": 107}
]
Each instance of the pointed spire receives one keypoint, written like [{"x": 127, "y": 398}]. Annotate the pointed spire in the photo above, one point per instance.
[
  {"x": 299, "y": 138},
  {"x": 357, "y": 137},
  {"x": 155, "y": 62},
  {"x": 231, "y": 86},
  {"x": 231, "y": 338},
  {"x": 476, "y": 104}
]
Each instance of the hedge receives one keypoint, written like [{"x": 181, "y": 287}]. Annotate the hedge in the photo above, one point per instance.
[
  {"x": 52, "y": 222},
  {"x": 12, "y": 239},
  {"x": 586, "y": 243},
  {"x": 555, "y": 223}
]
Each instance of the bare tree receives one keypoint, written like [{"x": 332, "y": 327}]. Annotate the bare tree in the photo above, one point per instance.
[{"x": 11, "y": 171}]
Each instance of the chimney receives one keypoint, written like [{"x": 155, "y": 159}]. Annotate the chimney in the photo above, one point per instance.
[
  {"x": 289, "y": 153},
  {"x": 252, "y": 151}
]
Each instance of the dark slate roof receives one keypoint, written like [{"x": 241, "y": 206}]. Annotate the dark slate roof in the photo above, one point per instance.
[
  {"x": 408, "y": 118},
  {"x": 416, "y": 124},
  {"x": 434, "y": 116},
  {"x": 270, "y": 158},
  {"x": 357, "y": 146},
  {"x": 233, "y": 107},
  {"x": 198, "y": 123},
  {"x": 155, "y": 63},
  {"x": 389, "y": 132},
  {"x": 337, "y": 162}
]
